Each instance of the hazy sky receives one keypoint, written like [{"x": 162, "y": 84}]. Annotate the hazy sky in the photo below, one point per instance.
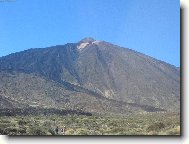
[{"x": 151, "y": 27}]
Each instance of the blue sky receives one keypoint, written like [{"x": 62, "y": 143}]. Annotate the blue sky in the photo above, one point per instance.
[{"x": 151, "y": 27}]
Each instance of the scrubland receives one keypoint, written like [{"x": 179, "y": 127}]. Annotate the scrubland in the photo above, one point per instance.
[{"x": 135, "y": 124}]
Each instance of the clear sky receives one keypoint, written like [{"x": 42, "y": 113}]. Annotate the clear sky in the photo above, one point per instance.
[{"x": 151, "y": 27}]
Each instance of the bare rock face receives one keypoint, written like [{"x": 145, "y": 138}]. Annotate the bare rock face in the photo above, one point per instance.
[{"x": 91, "y": 75}]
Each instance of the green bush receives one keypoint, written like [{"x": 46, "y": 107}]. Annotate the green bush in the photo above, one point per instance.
[
  {"x": 14, "y": 131},
  {"x": 37, "y": 131},
  {"x": 22, "y": 122},
  {"x": 70, "y": 132},
  {"x": 173, "y": 131},
  {"x": 156, "y": 126},
  {"x": 22, "y": 131},
  {"x": 47, "y": 123},
  {"x": 52, "y": 132},
  {"x": 81, "y": 131},
  {"x": 4, "y": 121},
  {"x": 4, "y": 125},
  {"x": 1, "y": 131}
]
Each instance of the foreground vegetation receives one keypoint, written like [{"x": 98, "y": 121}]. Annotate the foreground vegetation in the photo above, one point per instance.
[{"x": 140, "y": 124}]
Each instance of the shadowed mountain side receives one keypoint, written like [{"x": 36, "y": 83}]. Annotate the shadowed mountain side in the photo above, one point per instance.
[{"x": 19, "y": 90}]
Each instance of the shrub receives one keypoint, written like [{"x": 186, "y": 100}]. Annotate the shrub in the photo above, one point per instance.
[
  {"x": 37, "y": 131},
  {"x": 70, "y": 132},
  {"x": 156, "y": 126},
  {"x": 5, "y": 121},
  {"x": 22, "y": 131},
  {"x": 1, "y": 131},
  {"x": 4, "y": 125},
  {"x": 47, "y": 123},
  {"x": 81, "y": 131},
  {"x": 173, "y": 131},
  {"x": 13, "y": 131},
  {"x": 22, "y": 122},
  {"x": 52, "y": 132},
  {"x": 10, "y": 131}
]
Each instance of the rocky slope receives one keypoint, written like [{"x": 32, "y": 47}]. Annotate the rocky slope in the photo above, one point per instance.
[{"x": 94, "y": 76}]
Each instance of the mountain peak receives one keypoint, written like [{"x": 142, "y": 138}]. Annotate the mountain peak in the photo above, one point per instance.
[
  {"x": 87, "y": 39},
  {"x": 86, "y": 42}
]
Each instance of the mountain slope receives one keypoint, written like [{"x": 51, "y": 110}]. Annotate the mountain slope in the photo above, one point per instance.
[{"x": 100, "y": 72}]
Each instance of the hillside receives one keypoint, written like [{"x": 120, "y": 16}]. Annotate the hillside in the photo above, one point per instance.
[{"x": 94, "y": 76}]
